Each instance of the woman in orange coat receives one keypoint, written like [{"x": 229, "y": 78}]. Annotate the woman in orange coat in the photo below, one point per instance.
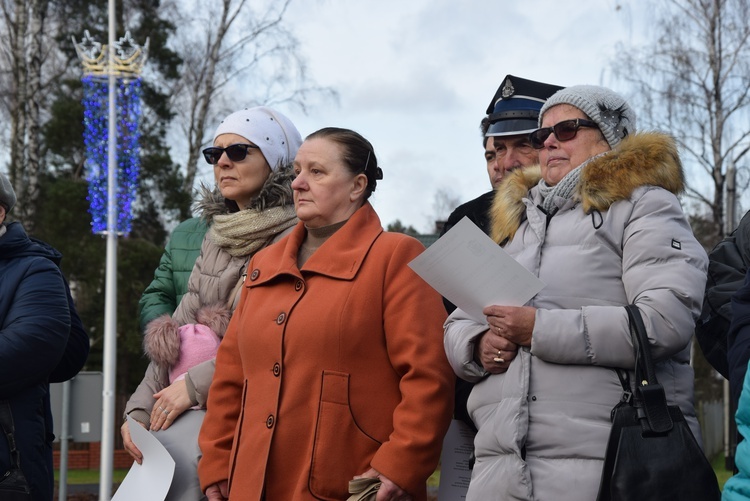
[{"x": 333, "y": 365}]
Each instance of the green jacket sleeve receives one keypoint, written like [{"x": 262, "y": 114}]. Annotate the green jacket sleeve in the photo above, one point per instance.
[
  {"x": 160, "y": 296},
  {"x": 171, "y": 277}
]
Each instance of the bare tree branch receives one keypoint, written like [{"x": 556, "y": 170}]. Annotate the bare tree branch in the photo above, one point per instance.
[
  {"x": 693, "y": 80},
  {"x": 244, "y": 45}
]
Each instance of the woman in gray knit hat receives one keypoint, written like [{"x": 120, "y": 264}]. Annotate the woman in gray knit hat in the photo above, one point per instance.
[
  {"x": 250, "y": 207},
  {"x": 599, "y": 222}
]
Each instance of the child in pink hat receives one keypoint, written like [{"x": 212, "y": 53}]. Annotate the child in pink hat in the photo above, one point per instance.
[{"x": 181, "y": 348}]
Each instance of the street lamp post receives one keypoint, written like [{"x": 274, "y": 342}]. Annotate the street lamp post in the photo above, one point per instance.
[{"x": 116, "y": 67}]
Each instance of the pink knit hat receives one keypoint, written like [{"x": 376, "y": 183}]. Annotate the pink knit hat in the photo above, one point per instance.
[
  {"x": 198, "y": 343},
  {"x": 181, "y": 348}
]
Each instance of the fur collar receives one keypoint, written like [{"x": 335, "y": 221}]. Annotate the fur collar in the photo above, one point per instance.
[
  {"x": 276, "y": 192},
  {"x": 649, "y": 158}
]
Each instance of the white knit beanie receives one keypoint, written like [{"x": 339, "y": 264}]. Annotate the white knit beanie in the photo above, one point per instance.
[
  {"x": 610, "y": 111},
  {"x": 275, "y": 135}
]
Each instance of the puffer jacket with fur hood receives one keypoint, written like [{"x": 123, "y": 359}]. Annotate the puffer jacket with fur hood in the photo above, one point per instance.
[
  {"x": 215, "y": 283},
  {"x": 544, "y": 424}
]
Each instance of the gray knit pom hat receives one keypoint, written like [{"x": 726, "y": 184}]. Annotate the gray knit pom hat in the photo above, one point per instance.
[
  {"x": 7, "y": 195},
  {"x": 275, "y": 135},
  {"x": 610, "y": 111}
]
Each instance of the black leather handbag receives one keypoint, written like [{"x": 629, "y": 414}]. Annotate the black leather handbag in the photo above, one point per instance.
[
  {"x": 13, "y": 484},
  {"x": 651, "y": 453}
]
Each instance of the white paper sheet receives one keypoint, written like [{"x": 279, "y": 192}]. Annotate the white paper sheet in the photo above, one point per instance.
[
  {"x": 150, "y": 480},
  {"x": 454, "y": 462},
  {"x": 469, "y": 269}
]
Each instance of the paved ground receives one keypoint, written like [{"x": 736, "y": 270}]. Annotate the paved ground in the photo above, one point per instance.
[{"x": 81, "y": 492}]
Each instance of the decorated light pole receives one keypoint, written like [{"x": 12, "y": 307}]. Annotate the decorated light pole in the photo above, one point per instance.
[{"x": 111, "y": 75}]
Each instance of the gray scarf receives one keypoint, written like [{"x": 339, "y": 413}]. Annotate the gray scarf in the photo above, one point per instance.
[{"x": 565, "y": 189}]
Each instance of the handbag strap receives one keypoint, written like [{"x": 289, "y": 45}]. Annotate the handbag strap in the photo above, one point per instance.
[
  {"x": 627, "y": 393},
  {"x": 6, "y": 421},
  {"x": 649, "y": 393}
]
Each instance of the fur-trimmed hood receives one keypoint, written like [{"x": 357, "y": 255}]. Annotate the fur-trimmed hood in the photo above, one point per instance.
[
  {"x": 649, "y": 158},
  {"x": 276, "y": 192}
]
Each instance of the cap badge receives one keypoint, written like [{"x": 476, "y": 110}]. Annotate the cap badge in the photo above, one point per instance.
[{"x": 508, "y": 89}]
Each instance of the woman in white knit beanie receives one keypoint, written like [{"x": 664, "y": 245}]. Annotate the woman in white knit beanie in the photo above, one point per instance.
[{"x": 250, "y": 207}]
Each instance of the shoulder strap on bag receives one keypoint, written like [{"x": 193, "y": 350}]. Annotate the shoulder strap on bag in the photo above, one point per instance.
[
  {"x": 6, "y": 421},
  {"x": 649, "y": 393}
]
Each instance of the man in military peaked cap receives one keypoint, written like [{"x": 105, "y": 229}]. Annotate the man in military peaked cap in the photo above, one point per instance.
[{"x": 512, "y": 115}]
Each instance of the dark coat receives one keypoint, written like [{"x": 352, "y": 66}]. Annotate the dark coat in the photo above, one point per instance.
[
  {"x": 478, "y": 210},
  {"x": 739, "y": 340},
  {"x": 35, "y": 324},
  {"x": 727, "y": 266}
]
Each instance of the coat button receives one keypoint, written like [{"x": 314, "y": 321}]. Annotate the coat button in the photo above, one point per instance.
[
  {"x": 298, "y": 285},
  {"x": 254, "y": 275},
  {"x": 280, "y": 318},
  {"x": 269, "y": 422},
  {"x": 276, "y": 369}
]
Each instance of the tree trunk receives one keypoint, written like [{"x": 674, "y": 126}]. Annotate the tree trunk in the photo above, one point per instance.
[
  {"x": 33, "y": 165},
  {"x": 18, "y": 104}
]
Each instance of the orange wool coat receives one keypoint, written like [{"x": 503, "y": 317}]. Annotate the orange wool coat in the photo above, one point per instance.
[{"x": 329, "y": 370}]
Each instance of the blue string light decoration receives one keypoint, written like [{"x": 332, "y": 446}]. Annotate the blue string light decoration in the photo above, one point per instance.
[
  {"x": 125, "y": 62},
  {"x": 96, "y": 135}
]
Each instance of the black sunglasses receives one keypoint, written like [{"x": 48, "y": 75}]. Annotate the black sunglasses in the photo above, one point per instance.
[
  {"x": 235, "y": 152},
  {"x": 564, "y": 131}
]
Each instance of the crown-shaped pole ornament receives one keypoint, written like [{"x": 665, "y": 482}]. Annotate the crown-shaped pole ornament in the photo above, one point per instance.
[{"x": 127, "y": 58}]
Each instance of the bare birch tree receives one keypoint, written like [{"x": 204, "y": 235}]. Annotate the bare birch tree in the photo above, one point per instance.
[
  {"x": 242, "y": 54},
  {"x": 33, "y": 104},
  {"x": 26, "y": 53},
  {"x": 693, "y": 80},
  {"x": 16, "y": 21}
]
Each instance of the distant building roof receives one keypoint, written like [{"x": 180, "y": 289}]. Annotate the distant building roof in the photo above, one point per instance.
[{"x": 427, "y": 240}]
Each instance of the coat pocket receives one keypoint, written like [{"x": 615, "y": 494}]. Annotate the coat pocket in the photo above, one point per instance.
[
  {"x": 341, "y": 449},
  {"x": 237, "y": 437}
]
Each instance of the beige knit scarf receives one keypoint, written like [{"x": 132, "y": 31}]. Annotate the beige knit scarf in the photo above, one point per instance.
[{"x": 244, "y": 232}]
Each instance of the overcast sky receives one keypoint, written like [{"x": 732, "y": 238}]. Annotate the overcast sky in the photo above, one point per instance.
[{"x": 415, "y": 78}]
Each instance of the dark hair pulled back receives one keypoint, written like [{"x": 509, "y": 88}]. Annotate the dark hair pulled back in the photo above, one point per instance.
[{"x": 358, "y": 154}]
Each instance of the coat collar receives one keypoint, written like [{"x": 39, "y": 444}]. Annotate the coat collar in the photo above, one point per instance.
[
  {"x": 341, "y": 256},
  {"x": 649, "y": 158},
  {"x": 15, "y": 243}
]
